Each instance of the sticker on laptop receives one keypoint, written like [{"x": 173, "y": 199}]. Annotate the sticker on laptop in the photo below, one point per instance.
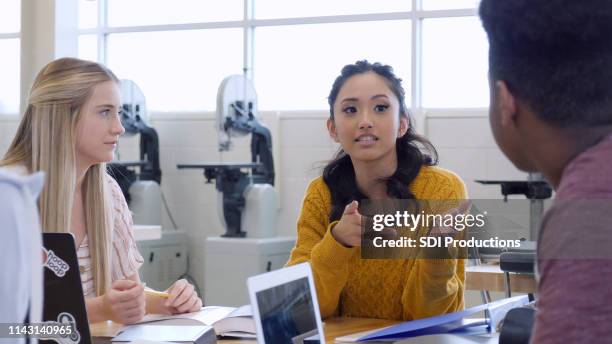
[
  {"x": 54, "y": 263},
  {"x": 62, "y": 331}
]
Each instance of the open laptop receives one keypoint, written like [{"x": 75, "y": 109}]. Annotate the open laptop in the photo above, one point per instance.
[
  {"x": 285, "y": 306},
  {"x": 64, "y": 301}
]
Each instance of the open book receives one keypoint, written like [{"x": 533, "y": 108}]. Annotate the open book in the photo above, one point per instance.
[
  {"x": 226, "y": 321},
  {"x": 167, "y": 334}
]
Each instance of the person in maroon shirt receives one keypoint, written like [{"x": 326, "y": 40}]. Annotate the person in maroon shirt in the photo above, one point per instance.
[{"x": 550, "y": 76}]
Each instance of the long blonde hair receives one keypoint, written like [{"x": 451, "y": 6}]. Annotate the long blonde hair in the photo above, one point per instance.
[{"x": 46, "y": 141}]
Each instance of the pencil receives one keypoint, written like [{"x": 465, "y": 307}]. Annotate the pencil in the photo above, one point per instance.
[{"x": 156, "y": 293}]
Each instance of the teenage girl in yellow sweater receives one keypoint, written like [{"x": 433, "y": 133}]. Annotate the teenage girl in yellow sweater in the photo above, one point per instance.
[{"x": 379, "y": 159}]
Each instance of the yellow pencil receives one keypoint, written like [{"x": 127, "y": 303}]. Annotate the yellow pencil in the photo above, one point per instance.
[{"x": 152, "y": 292}]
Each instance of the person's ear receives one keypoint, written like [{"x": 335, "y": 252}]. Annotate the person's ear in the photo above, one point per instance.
[
  {"x": 331, "y": 128},
  {"x": 404, "y": 125},
  {"x": 506, "y": 102}
]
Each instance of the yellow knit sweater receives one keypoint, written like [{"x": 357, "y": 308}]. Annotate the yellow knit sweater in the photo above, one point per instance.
[{"x": 399, "y": 289}]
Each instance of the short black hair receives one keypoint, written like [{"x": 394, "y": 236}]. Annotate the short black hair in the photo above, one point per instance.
[{"x": 555, "y": 55}]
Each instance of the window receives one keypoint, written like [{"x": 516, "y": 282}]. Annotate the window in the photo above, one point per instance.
[
  {"x": 88, "y": 47},
  {"x": 296, "y": 65},
  {"x": 177, "y": 70},
  {"x": 455, "y": 63},
  {"x": 88, "y": 14},
  {"x": 9, "y": 83},
  {"x": 293, "y": 49},
  {"x": 10, "y": 26},
  {"x": 266, "y": 9},
  {"x": 159, "y": 12},
  {"x": 183, "y": 66},
  {"x": 10, "y": 16},
  {"x": 449, "y": 4}
]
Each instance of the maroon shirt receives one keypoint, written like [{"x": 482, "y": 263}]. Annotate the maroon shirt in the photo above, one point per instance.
[{"x": 575, "y": 254}]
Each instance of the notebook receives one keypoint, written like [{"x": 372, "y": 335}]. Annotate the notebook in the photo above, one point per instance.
[
  {"x": 226, "y": 321},
  {"x": 167, "y": 333}
]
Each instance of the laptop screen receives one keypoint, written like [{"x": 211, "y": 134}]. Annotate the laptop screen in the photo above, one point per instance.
[{"x": 287, "y": 313}]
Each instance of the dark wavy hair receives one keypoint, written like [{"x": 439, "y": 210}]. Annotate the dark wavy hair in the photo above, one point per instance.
[{"x": 339, "y": 174}]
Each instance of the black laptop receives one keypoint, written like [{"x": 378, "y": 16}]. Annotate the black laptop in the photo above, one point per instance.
[{"x": 64, "y": 301}]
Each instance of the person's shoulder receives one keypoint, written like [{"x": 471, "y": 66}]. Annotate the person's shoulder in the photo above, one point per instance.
[
  {"x": 9, "y": 171},
  {"x": 122, "y": 221},
  {"x": 10, "y": 188},
  {"x": 576, "y": 229},
  {"x": 115, "y": 190},
  {"x": 19, "y": 194},
  {"x": 9, "y": 178},
  {"x": 435, "y": 182},
  {"x": 317, "y": 192},
  {"x": 317, "y": 187},
  {"x": 439, "y": 174},
  {"x": 18, "y": 177}
]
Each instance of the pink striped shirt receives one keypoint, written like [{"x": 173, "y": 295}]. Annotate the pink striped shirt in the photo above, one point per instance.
[{"x": 125, "y": 260}]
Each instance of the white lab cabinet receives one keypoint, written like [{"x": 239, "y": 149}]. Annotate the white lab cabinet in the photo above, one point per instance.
[
  {"x": 165, "y": 259},
  {"x": 230, "y": 261}
]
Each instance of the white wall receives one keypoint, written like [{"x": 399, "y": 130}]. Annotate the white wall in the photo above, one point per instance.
[
  {"x": 466, "y": 146},
  {"x": 8, "y": 128},
  {"x": 301, "y": 146}
]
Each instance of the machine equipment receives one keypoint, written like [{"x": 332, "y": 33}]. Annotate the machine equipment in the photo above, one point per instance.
[
  {"x": 246, "y": 203},
  {"x": 535, "y": 189},
  {"x": 139, "y": 180},
  {"x": 247, "y": 200}
]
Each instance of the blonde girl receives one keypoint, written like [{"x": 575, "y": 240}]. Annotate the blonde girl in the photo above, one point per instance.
[{"x": 70, "y": 130}]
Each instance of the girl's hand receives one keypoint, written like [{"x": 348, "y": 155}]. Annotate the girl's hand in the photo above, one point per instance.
[
  {"x": 125, "y": 302},
  {"x": 183, "y": 298},
  {"x": 348, "y": 230},
  {"x": 462, "y": 208}
]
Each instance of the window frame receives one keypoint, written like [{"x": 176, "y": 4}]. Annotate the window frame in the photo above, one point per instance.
[
  {"x": 248, "y": 24},
  {"x": 11, "y": 35}
]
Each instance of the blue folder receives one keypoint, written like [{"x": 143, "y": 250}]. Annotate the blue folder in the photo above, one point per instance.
[{"x": 449, "y": 323}]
